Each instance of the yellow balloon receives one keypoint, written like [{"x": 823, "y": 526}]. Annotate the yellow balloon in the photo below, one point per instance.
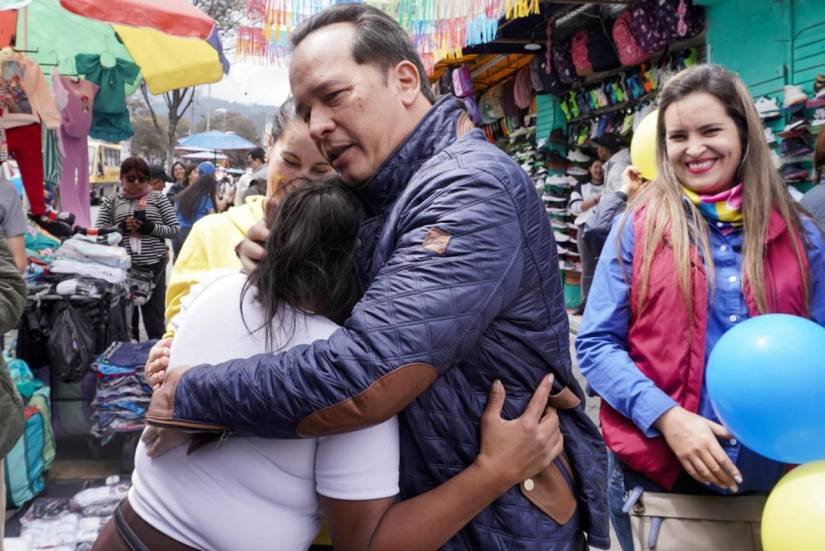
[
  {"x": 643, "y": 146},
  {"x": 794, "y": 515}
]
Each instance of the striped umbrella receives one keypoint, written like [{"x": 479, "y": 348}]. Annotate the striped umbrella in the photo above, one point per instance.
[{"x": 134, "y": 30}]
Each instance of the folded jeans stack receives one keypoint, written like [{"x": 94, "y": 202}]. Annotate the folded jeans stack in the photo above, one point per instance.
[{"x": 122, "y": 394}]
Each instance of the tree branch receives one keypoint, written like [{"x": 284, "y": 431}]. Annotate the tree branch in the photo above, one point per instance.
[{"x": 145, "y": 93}]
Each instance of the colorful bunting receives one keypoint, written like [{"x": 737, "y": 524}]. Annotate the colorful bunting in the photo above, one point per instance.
[{"x": 439, "y": 28}]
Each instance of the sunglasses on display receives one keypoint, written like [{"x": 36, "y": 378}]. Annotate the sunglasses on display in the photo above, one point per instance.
[{"x": 133, "y": 179}]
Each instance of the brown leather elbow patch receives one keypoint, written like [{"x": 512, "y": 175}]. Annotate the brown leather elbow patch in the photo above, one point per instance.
[
  {"x": 375, "y": 404},
  {"x": 550, "y": 492}
]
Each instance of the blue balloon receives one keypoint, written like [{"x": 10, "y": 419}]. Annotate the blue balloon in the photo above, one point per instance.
[{"x": 766, "y": 381}]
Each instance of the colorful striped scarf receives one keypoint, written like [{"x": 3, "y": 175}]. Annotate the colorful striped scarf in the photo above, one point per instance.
[{"x": 725, "y": 207}]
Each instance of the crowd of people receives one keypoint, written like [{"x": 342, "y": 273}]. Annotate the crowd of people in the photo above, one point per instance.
[{"x": 370, "y": 329}]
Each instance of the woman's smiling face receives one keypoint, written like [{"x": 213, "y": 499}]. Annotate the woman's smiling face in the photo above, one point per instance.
[{"x": 703, "y": 143}]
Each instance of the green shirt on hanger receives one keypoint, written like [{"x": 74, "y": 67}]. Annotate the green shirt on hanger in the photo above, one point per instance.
[{"x": 110, "y": 116}]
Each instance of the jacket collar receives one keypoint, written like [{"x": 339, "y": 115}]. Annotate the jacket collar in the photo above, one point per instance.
[{"x": 433, "y": 133}]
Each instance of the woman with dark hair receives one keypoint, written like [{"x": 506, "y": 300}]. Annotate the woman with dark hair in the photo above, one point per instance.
[
  {"x": 195, "y": 202},
  {"x": 147, "y": 218},
  {"x": 272, "y": 492},
  {"x": 211, "y": 242},
  {"x": 713, "y": 240},
  {"x": 179, "y": 174}
]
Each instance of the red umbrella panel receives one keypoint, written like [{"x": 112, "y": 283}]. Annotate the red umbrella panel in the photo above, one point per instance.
[{"x": 175, "y": 17}]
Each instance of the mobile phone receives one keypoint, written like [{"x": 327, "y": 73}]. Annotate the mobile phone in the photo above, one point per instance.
[{"x": 140, "y": 215}]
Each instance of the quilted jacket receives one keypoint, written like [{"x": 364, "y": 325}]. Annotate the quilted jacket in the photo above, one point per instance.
[{"x": 461, "y": 283}]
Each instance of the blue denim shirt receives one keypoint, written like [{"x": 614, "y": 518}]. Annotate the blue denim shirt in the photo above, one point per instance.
[{"x": 601, "y": 345}]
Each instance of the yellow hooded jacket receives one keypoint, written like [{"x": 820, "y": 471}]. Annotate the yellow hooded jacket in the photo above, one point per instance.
[{"x": 210, "y": 246}]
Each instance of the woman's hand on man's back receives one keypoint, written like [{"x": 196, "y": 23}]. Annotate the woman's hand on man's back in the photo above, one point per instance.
[{"x": 251, "y": 250}]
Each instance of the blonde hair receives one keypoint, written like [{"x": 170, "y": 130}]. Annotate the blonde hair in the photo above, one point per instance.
[{"x": 668, "y": 215}]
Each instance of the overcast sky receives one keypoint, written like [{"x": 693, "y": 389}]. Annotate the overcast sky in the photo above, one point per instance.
[{"x": 248, "y": 83}]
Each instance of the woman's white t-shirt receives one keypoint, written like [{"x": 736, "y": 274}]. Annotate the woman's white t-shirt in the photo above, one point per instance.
[{"x": 254, "y": 493}]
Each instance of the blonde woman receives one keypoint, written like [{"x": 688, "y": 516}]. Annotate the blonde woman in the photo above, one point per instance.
[{"x": 714, "y": 240}]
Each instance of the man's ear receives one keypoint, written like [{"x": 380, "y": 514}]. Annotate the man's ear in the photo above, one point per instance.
[{"x": 407, "y": 82}]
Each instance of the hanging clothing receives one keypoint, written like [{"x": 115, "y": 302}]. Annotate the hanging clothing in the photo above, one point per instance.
[
  {"x": 52, "y": 161},
  {"x": 24, "y": 143},
  {"x": 110, "y": 116},
  {"x": 25, "y": 101},
  {"x": 76, "y": 117},
  {"x": 25, "y": 97}
]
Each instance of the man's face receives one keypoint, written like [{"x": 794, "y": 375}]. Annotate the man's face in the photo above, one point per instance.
[{"x": 356, "y": 114}]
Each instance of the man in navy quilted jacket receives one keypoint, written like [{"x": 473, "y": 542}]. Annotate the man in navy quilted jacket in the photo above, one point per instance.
[{"x": 461, "y": 287}]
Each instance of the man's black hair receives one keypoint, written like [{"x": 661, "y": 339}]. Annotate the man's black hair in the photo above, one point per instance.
[
  {"x": 258, "y": 154},
  {"x": 379, "y": 39}
]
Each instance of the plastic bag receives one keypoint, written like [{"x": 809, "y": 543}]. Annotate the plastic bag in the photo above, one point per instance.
[{"x": 71, "y": 345}]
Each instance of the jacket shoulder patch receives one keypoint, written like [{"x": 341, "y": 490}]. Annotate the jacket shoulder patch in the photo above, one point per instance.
[{"x": 437, "y": 240}]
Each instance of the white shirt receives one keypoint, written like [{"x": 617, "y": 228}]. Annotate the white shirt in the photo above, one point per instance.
[{"x": 254, "y": 493}]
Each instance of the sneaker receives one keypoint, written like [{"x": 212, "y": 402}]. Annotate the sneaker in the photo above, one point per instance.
[
  {"x": 548, "y": 198},
  {"x": 556, "y": 210},
  {"x": 794, "y": 129},
  {"x": 566, "y": 266},
  {"x": 794, "y": 173},
  {"x": 627, "y": 125},
  {"x": 819, "y": 118},
  {"x": 767, "y": 108},
  {"x": 795, "y": 147},
  {"x": 794, "y": 96},
  {"x": 818, "y": 101},
  {"x": 770, "y": 137},
  {"x": 561, "y": 250},
  {"x": 557, "y": 180},
  {"x": 560, "y": 237},
  {"x": 577, "y": 171},
  {"x": 577, "y": 156}
]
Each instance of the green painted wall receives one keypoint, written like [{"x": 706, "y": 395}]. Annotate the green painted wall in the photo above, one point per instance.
[
  {"x": 548, "y": 115},
  {"x": 770, "y": 43}
]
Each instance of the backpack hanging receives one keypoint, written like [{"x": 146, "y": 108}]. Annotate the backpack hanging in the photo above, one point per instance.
[
  {"x": 563, "y": 63},
  {"x": 600, "y": 50},
  {"x": 627, "y": 47},
  {"x": 544, "y": 81},
  {"x": 578, "y": 53},
  {"x": 679, "y": 19},
  {"x": 644, "y": 23},
  {"x": 462, "y": 82}
]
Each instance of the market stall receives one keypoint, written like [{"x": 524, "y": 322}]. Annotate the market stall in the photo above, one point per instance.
[{"x": 68, "y": 69}]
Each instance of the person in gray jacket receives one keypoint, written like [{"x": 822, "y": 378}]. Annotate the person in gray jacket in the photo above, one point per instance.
[{"x": 12, "y": 301}]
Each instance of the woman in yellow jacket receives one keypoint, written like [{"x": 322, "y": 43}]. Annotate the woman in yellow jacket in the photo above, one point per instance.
[
  {"x": 211, "y": 243},
  {"x": 212, "y": 240}
]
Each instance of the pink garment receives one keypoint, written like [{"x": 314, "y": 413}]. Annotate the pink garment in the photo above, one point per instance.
[
  {"x": 523, "y": 91},
  {"x": 76, "y": 119},
  {"x": 24, "y": 94}
]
